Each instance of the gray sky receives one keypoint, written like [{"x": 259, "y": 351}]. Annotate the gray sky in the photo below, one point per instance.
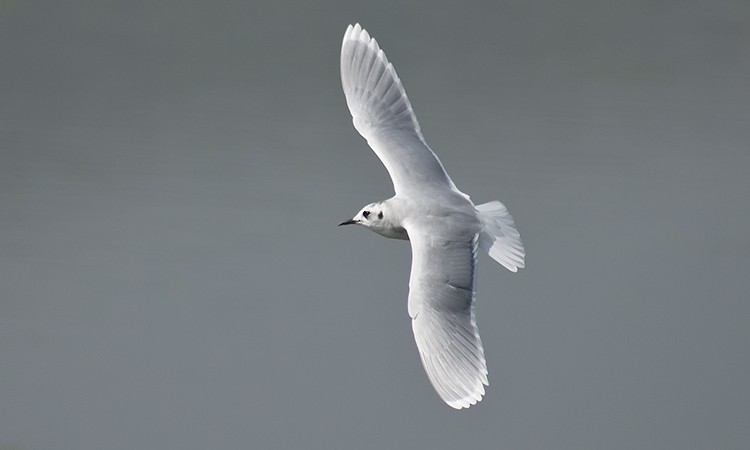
[{"x": 171, "y": 174}]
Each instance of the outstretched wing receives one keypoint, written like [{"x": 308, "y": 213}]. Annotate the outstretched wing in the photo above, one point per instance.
[
  {"x": 441, "y": 305},
  {"x": 383, "y": 115}
]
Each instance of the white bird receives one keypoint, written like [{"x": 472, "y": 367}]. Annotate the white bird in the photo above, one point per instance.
[{"x": 443, "y": 225}]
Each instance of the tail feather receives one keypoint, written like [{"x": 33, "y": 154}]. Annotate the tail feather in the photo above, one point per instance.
[{"x": 499, "y": 237}]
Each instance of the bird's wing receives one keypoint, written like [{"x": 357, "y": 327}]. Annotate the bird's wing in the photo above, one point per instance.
[
  {"x": 441, "y": 305},
  {"x": 383, "y": 115}
]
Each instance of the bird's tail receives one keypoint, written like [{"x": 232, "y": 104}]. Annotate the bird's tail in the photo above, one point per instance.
[{"x": 499, "y": 237}]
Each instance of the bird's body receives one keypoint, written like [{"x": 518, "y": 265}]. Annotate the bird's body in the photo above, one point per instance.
[{"x": 443, "y": 225}]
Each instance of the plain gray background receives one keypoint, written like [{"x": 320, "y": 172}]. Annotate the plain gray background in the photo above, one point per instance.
[{"x": 171, "y": 177}]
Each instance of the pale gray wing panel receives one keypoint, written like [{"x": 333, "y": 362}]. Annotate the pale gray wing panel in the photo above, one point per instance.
[
  {"x": 441, "y": 304},
  {"x": 382, "y": 114}
]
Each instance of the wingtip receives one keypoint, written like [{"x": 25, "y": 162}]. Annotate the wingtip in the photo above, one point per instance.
[
  {"x": 472, "y": 398},
  {"x": 468, "y": 401},
  {"x": 357, "y": 33}
]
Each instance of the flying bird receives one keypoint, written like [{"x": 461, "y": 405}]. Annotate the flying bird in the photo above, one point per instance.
[{"x": 442, "y": 224}]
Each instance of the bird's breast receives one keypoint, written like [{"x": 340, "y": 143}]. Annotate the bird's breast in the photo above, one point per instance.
[{"x": 393, "y": 233}]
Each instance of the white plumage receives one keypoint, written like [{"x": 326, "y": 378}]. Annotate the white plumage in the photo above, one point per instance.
[{"x": 443, "y": 225}]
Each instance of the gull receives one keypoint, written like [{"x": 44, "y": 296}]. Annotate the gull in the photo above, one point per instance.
[{"x": 442, "y": 224}]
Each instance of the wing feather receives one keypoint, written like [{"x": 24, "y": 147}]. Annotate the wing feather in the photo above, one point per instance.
[
  {"x": 382, "y": 114},
  {"x": 441, "y": 304}
]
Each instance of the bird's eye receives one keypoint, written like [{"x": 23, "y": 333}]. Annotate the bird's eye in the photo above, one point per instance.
[
  {"x": 365, "y": 214},
  {"x": 380, "y": 215}
]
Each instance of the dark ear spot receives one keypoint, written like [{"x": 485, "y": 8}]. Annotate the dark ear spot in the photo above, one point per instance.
[
  {"x": 380, "y": 215},
  {"x": 366, "y": 214}
]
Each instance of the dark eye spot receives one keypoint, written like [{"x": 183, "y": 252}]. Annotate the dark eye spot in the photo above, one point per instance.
[
  {"x": 366, "y": 214},
  {"x": 380, "y": 215}
]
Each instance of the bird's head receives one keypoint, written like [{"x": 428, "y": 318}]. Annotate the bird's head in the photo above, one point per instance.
[
  {"x": 369, "y": 216},
  {"x": 377, "y": 217}
]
